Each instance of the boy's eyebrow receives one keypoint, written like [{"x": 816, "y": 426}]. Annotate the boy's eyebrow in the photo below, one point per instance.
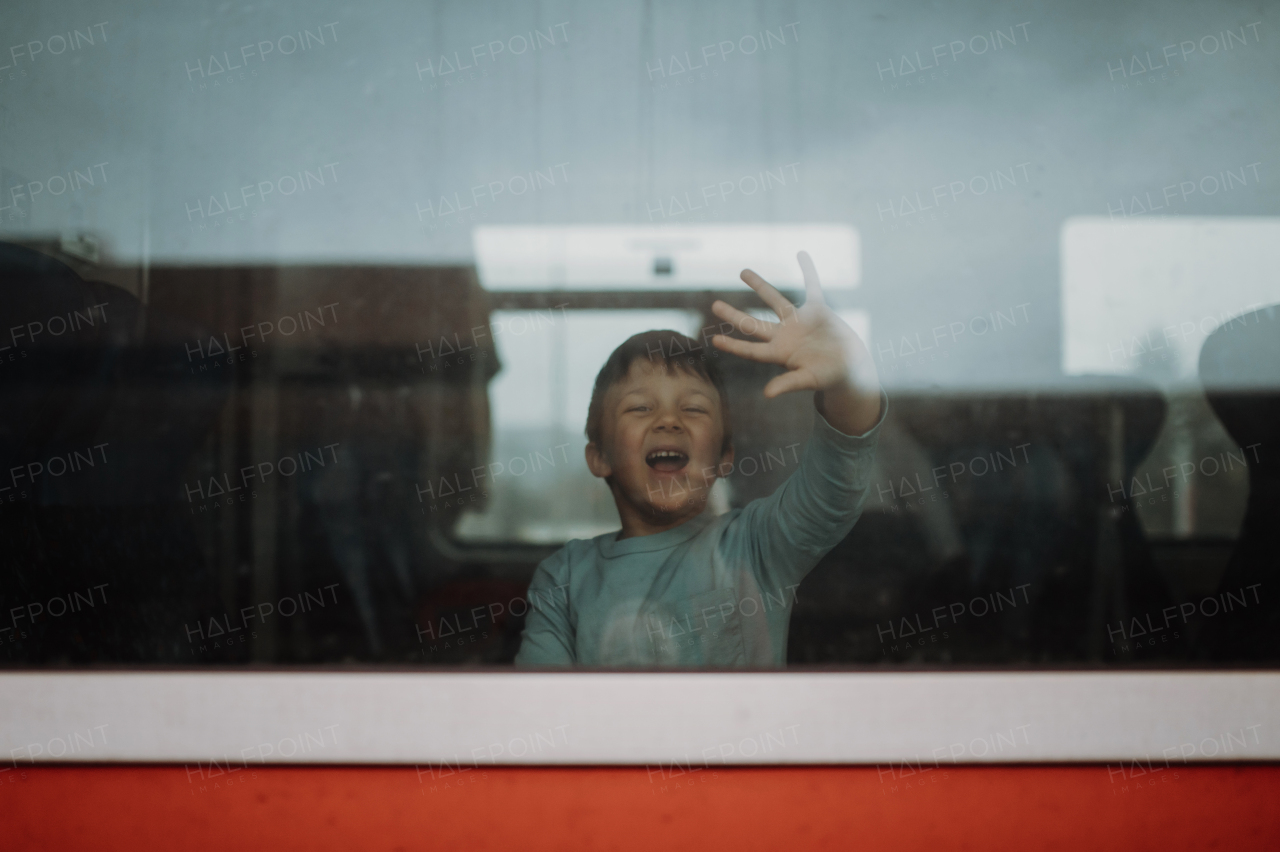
[
  {"x": 632, "y": 390},
  {"x": 642, "y": 389}
]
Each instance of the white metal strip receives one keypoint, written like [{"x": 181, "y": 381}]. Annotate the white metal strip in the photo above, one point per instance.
[{"x": 469, "y": 719}]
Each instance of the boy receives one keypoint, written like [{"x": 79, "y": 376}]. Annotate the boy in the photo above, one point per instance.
[{"x": 679, "y": 585}]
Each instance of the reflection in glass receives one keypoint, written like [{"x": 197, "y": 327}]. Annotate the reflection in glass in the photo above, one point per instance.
[{"x": 296, "y": 345}]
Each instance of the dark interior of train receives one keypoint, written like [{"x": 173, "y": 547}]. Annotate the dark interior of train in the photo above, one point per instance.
[{"x": 235, "y": 465}]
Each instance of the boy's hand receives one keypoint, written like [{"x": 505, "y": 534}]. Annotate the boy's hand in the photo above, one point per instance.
[{"x": 820, "y": 351}]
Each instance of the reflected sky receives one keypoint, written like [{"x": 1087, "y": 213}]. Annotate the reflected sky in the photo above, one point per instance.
[{"x": 331, "y": 131}]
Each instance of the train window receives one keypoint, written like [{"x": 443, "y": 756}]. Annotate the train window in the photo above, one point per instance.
[{"x": 302, "y": 307}]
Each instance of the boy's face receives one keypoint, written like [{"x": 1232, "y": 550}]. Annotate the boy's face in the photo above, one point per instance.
[{"x": 661, "y": 434}]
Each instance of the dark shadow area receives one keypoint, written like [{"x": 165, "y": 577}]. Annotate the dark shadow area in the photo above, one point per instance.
[
  {"x": 1240, "y": 369},
  {"x": 235, "y": 472}
]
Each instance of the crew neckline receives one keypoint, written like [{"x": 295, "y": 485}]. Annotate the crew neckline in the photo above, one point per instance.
[{"x": 610, "y": 547}]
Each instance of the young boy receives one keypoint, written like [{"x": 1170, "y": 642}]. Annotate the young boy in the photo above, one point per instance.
[{"x": 678, "y": 585}]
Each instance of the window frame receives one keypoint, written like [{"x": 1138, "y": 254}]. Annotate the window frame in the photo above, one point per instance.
[{"x": 912, "y": 720}]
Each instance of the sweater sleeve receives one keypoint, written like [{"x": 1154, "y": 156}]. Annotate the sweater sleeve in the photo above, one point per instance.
[
  {"x": 785, "y": 534},
  {"x": 548, "y": 637}
]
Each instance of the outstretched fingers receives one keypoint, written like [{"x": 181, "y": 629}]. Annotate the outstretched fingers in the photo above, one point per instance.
[
  {"x": 812, "y": 286},
  {"x": 744, "y": 322},
  {"x": 744, "y": 348},
  {"x": 775, "y": 300}
]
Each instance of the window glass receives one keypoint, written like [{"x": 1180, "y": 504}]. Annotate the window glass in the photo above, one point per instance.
[{"x": 302, "y": 306}]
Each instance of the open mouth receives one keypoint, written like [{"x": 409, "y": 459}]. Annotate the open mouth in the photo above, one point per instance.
[{"x": 667, "y": 461}]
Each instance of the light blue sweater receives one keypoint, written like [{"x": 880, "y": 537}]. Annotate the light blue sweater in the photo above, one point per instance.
[{"x": 716, "y": 591}]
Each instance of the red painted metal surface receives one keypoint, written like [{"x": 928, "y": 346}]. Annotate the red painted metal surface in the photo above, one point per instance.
[{"x": 990, "y": 808}]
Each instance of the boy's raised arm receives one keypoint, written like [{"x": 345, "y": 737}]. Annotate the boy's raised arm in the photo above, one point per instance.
[{"x": 786, "y": 533}]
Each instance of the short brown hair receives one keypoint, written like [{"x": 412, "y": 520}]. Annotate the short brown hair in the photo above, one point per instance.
[{"x": 673, "y": 350}]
